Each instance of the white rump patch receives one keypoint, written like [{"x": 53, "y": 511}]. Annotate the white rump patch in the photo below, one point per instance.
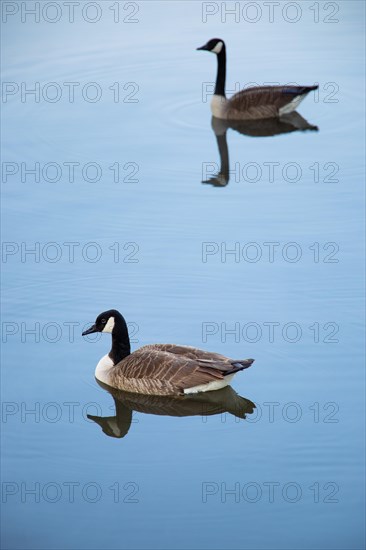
[
  {"x": 293, "y": 105},
  {"x": 217, "y": 48},
  {"x": 109, "y": 326},
  {"x": 214, "y": 385}
]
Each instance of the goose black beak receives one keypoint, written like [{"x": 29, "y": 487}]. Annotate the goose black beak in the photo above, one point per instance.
[
  {"x": 90, "y": 330},
  {"x": 203, "y": 47}
]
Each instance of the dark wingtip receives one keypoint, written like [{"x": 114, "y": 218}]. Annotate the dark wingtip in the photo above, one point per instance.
[{"x": 242, "y": 364}]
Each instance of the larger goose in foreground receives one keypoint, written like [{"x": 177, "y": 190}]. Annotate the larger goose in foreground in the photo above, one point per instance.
[
  {"x": 159, "y": 369},
  {"x": 252, "y": 103}
]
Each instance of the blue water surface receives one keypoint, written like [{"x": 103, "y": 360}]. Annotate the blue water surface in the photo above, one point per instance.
[{"x": 114, "y": 215}]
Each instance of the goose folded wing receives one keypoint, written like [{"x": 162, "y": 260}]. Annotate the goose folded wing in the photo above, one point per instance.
[
  {"x": 171, "y": 369},
  {"x": 258, "y": 97}
]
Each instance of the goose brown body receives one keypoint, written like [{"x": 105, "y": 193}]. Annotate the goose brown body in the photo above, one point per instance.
[
  {"x": 264, "y": 102},
  {"x": 168, "y": 369}
]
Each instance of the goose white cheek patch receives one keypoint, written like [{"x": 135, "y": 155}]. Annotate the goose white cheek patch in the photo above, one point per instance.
[
  {"x": 217, "y": 48},
  {"x": 109, "y": 326}
]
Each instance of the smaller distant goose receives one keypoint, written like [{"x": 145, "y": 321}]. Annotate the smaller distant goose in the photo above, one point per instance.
[
  {"x": 159, "y": 369},
  {"x": 252, "y": 103}
]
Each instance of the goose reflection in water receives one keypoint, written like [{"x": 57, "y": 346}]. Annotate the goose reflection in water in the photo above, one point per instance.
[
  {"x": 266, "y": 127},
  {"x": 221, "y": 401}
]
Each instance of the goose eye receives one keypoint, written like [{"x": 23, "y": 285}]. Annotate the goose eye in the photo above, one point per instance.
[{"x": 103, "y": 321}]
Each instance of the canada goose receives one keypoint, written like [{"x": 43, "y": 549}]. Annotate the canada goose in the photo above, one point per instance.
[
  {"x": 159, "y": 369},
  {"x": 252, "y": 103},
  {"x": 199, "y": 404},
  {"x": 264, "y": 127}
]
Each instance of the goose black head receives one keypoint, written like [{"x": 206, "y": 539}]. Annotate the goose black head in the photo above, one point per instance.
[
  {"x": 215, "y": 45},
  {"x": 105, "y": 322}
]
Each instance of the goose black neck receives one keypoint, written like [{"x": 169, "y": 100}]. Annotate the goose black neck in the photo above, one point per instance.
[
  {"x": 121, "y": 347},
  {"x": 221, "y": 72}
]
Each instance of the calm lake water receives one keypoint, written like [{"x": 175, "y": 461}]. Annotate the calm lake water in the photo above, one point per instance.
[{"x": 115, "y": 215}]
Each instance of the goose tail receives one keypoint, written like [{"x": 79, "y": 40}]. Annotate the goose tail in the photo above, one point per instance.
[
  {"x": 240, "y": 364},
  {"x": 308, "y": 89},
  {"x": 299, "y": 90}
]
